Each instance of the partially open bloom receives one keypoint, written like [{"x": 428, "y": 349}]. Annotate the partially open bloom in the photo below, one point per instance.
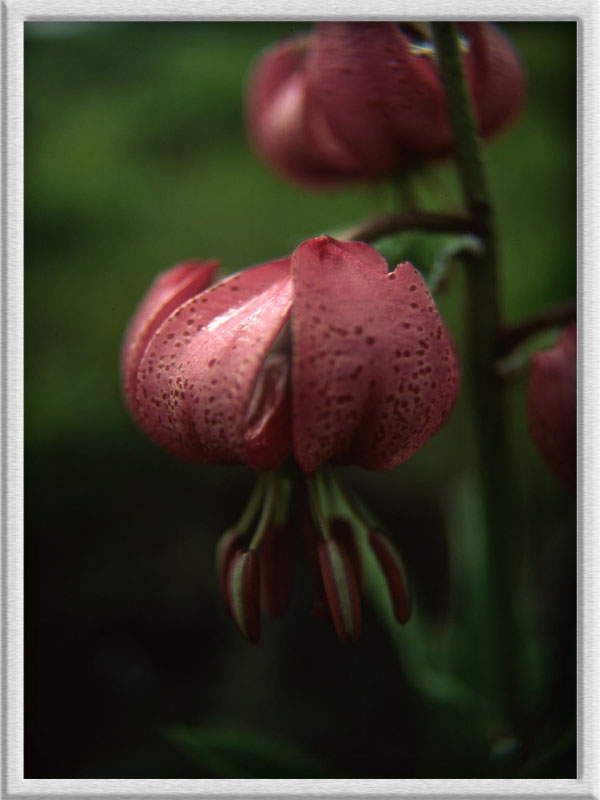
[
  {"x": 552, "y": 405},
  {"x": 323, "y": 356},
  {"x": 361, "y": 100}
]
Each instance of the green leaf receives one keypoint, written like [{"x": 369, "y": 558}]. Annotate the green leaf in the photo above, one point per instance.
[
  {"x": 224, "y": 750},
  {"x": 433, "y": 254}
]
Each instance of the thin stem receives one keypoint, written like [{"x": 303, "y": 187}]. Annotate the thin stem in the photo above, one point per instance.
[
  {"x": 384, "y": 225},
  {"x": 348, "y": 500},
  {"x": 469, "y": 153},
  {"x": 316, "y": 507},
  {"x": 253, "y": 505},
  {"x": 513, "y": 336},
  {"x": 498, "y": 646},
  {"x": 268, "y": 508}
]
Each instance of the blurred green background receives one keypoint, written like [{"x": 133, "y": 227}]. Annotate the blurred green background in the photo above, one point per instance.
[{"x": 136, "y": 158}]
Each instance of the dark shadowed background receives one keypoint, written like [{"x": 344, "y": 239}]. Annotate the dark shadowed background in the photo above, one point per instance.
[{"x": 136, "y": 158}]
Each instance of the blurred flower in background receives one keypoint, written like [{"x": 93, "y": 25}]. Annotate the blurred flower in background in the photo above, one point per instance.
[{"x": 357, "y": 101}]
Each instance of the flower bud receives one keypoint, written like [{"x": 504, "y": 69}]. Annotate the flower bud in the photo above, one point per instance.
[{"x": 552, "y": 405}]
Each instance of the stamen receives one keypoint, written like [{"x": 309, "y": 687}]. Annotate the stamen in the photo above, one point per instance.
[
  {"x": 341, "y": 588},
  {"x": 243, "y": 593},
  {"x": 276, "y": 555},
  {"x": 310, "y": 534},
  {"x": 348, "y": 500},
  {"x": 314, "y": 486},
  {"x": 251, "y": 509},
  {"x": 229, "y": 543},
  {"x": 343, "y": 533},
  {"x": 268, "y": 509},
  {"x": 338, "y": 571},
  {"x": 392, "y": 567},
  {"x": 387, "y": 556}
]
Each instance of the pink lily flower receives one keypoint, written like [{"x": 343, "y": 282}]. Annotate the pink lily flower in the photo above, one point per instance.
[
  {"x": 362, "y": 100},
  {"x": 369, "y": 377},
  {"x": 323, "y": 356}
]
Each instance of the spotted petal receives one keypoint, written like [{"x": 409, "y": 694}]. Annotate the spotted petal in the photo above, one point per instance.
[
  {"x": 374, "y": 372},
  {"x": 197, "y": 380},
  {"x": 168, "y": 292}
]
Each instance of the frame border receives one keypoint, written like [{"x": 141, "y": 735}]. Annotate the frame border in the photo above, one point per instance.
[{"x": 13, "y": 15}]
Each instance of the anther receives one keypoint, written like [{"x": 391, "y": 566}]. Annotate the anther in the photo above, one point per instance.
[
  {"x": 243, "y": 593},
  {"x": 341, "y": 587},
  {"x": 229, "y": 543},
  {"x": 343, "y": 533},
  {"x": 393, "y": 570}
]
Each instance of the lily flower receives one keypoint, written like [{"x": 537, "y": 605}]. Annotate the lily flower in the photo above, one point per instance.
[
  {"x": 362, "y": 100},
  {"x": 552, "y": 405},
  {"x": 323, "y": 357}
]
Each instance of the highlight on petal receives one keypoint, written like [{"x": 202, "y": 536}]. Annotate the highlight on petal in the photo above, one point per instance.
[
  {"x": 341, "y": 587},
  {"x": 395, "y": 575},
  {"x": 552, "y": 405},
  {"x": 197, "y": 379},
  {"x": 243, "y": 592},
  {"x": 374, "y": 373},
  {"x": 268, "y": 436},
  {"x": 168, "y": 292}
]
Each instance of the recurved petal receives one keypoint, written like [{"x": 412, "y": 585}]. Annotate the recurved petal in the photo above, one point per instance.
[
  {"x": 198, "y": 375},
  {"x": 168, "y": 292},
  {"x": 374, "y": 373}
]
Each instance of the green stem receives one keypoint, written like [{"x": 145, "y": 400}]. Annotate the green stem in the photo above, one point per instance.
[
  {"x": 498, "y": 645},
  {"x": 555, "y": 316},
  {"x": 386, "y": 224},
  {"x": 266, "y": 516},
  {"x": 253, "y": 505},
  {"x": 313, "y": 484}
]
